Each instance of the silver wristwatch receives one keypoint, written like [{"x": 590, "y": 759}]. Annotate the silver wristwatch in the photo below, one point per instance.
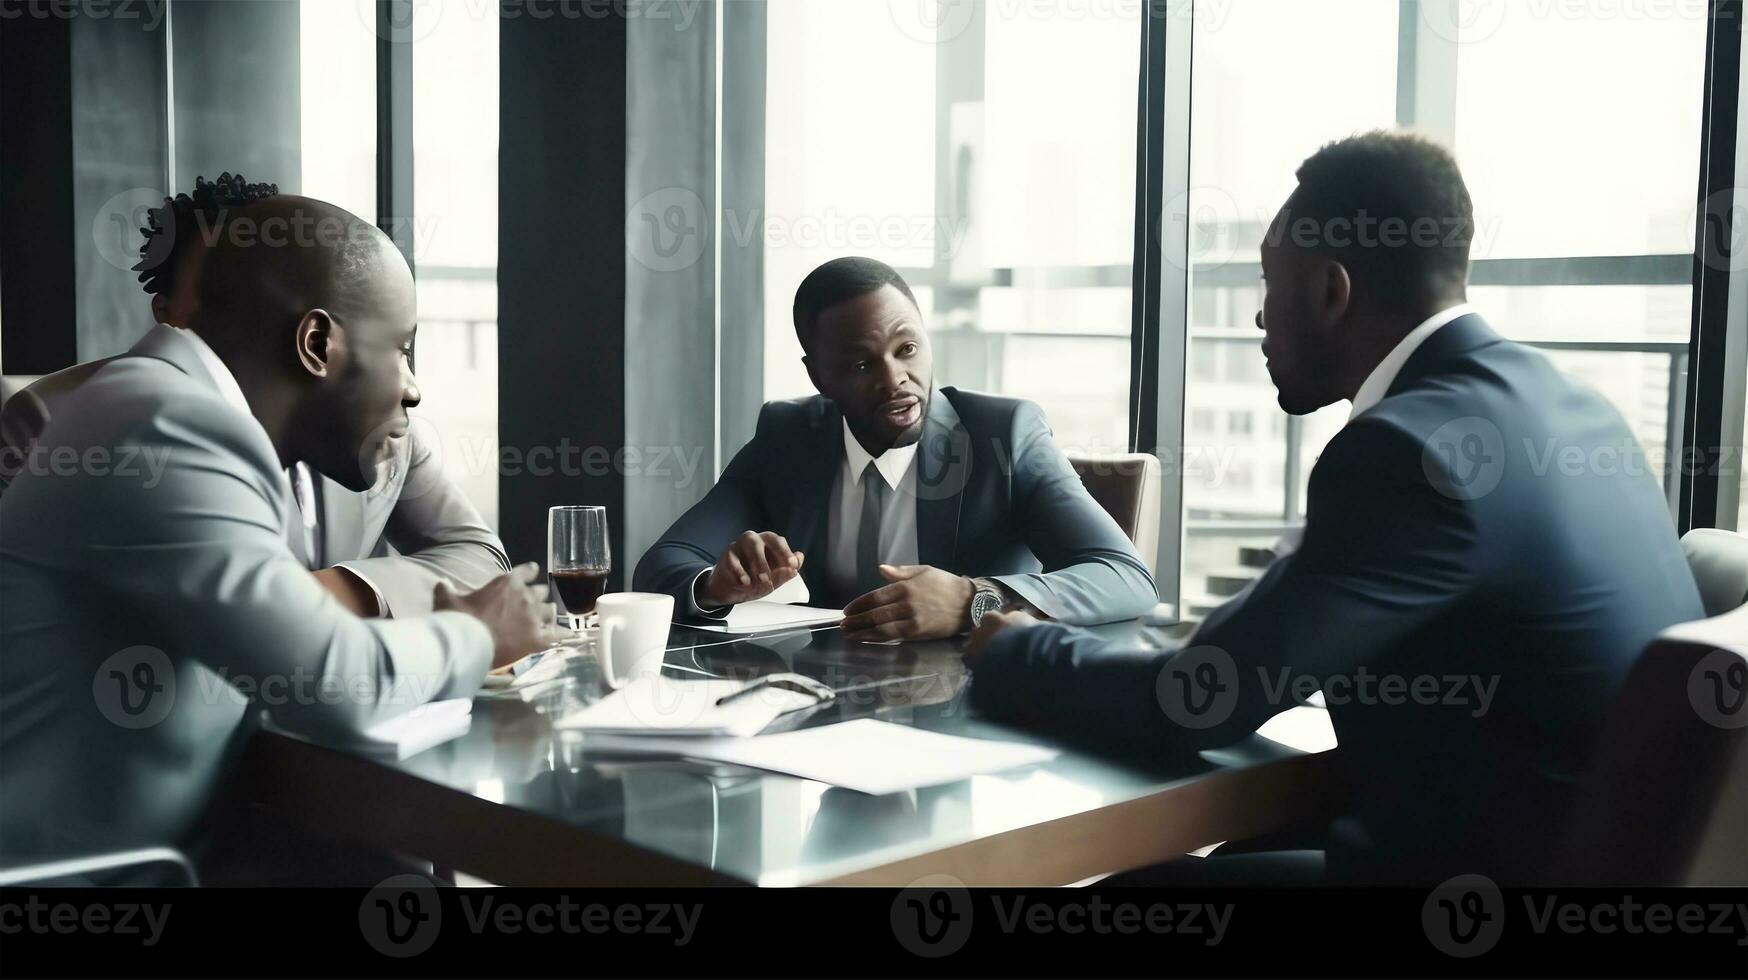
[{"x": 987, "y": 599}]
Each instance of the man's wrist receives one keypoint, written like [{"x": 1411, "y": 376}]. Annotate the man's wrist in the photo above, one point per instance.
[
  {"x": 701, "y": 603},
  {"x": 994, "y": 597}
]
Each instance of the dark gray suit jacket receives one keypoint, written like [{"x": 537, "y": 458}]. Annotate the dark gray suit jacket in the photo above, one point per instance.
[
  {"x": 1480, "y": 522},
  {"x": 995, "y": 497}
]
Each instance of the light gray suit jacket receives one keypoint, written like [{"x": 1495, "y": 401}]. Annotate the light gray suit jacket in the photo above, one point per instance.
[
  {"x": 415, "y": 528},
  {"x": 151, "y": 604},
  {"x": 407, "y": 533}
]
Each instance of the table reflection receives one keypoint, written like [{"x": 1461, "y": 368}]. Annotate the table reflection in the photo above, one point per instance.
[{"x": 758, "y": 826}]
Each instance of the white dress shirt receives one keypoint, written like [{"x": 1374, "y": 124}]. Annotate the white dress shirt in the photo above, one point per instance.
[
  {"x": 897, "y": 467},
  {"x": 1377, "y": 384}
]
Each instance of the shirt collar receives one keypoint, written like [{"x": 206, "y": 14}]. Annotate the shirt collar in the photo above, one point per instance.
[
  {"x": 222, "y": 377},
  {"x": 892, "y": 463},
  {"x": 1377, "y": 384}
]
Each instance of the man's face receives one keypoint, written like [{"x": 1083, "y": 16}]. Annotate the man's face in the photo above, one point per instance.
[
  {"x": 363, "y": 402},
  {"x": 870, "y": 355},
  {"x": 1299, "y": 315}
]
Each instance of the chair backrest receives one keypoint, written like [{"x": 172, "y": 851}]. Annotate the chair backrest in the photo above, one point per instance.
[
  {"x": 1126, "y": 485},
  {"x": 1719, "y": 560},
  {"x": 12, "y": 384},
  {"x": 1665, "y": 800}
]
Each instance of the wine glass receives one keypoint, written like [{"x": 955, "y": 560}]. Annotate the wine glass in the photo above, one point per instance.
[{"x": 578, "y": 558}]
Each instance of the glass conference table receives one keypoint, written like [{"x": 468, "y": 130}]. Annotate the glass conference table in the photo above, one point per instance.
[{"x": 517, "y": 802}]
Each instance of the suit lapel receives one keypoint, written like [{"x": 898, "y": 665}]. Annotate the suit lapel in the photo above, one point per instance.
[{"x": 943, "y": 470}]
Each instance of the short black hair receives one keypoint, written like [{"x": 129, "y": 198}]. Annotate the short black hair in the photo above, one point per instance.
[
  {"x": 1393, "y": 209},
  {"x": 173, "y": 229},
  {"x": 840, "y": 280}
]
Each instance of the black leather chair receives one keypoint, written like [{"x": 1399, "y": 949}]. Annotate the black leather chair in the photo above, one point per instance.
[
  {"x": 1719, "y": 560},
  {"x": 1126, "y": 485},
  {"x": 1665, "y": 801}
]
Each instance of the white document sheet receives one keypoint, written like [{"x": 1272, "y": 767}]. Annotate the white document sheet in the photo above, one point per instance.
[
  {"x": 785, "y": 608},
  {"x": 865, "y": 755},
  {"x": 764, "y": 616},
  {"x": 405, "y": 736},
  {"x": 667, "y": 707}
]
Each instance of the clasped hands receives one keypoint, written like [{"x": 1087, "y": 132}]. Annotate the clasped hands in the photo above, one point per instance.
[{"x": 920, "y": 602}]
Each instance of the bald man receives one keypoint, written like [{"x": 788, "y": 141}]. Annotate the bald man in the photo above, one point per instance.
[
  {"x": 153, "y": 604},
  {"x": 345, "y": 538}
]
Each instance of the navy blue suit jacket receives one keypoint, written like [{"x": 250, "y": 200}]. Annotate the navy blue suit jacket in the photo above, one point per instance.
[
  {"x": 1489, "y": 519},
  {"x": 995, "y": 497}
]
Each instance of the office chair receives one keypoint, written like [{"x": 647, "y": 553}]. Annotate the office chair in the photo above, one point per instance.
[
  {"x": 1126, "y": 485},
  {"x": 1665, "y": 801},
  {"x": 76, "y": 871},
  {"x": 1719, "y": 560},
  {"x": 12, "y": 384}
]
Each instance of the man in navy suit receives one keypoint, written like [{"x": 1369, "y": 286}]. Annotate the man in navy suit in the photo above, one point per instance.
[
  {"x": 1484, "y": 554},
  {"x": 923, "y": 509}
]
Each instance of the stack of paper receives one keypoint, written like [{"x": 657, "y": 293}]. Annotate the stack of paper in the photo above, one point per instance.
[
  {"x": 785, "y": 608},
  {"x": 404, "y": 736},
  {"x": 668, "y": 706},
  {"x": 760, "y": 616}
]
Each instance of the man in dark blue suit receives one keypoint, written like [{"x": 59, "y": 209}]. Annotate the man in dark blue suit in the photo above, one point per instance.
[
  {"x": 1484, "y": 555},
  {"x": 922, "y": 509}
]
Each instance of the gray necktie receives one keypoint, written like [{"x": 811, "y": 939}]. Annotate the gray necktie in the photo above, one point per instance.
[{"x": 868, "y": 576}]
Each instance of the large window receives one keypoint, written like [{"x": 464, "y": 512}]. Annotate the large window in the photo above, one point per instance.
[
  {"x": 454, "y": 224},
  {"x": 986, "y": 151},
  {"x": 1582, "y": 175},
  {"x": 337, "y": 106},
  {"x": 455, "y": 238}
]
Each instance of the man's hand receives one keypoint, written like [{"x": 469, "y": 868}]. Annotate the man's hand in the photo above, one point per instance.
[
  {"x": 922, "y": 603},
  {"x": 509, "y": 606},
  {"x": 751, "y": 567},
  {"x": 989, "y": 627}
]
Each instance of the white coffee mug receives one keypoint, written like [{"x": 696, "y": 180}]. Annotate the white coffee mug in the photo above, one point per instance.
[{"x": 634, "y": 634}]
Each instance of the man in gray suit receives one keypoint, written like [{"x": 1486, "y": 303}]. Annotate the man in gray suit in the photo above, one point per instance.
[
  {"x": 381, "y": 552},
  {"x": 152, "y": 601},
  {"x": 922, "y": 508},
  {"x": 1468, "y": 601}
]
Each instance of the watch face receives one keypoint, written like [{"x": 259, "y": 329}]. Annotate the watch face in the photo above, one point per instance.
[{"x": 982, "y": 604}]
